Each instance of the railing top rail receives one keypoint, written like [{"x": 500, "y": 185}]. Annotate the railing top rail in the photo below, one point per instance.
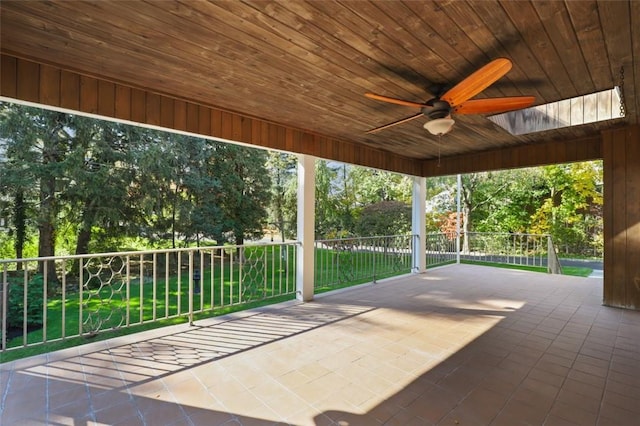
[
  {"x": 518, "y": 234},
  {"x": 145, "y": 252},
  {"x": 364, "y": 238}
]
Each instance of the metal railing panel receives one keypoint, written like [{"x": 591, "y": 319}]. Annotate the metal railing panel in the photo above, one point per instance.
[
  {"x": 347, "y": 261},
  {"x": 88, "y": 294},
  {"x": 441, "y": 249},
  {"x": 519, "y": 249}
]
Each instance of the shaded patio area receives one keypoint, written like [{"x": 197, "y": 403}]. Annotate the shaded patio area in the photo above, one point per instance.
[{"x": 463, "y": 344}]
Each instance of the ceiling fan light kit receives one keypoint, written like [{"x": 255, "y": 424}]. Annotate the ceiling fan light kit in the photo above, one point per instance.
[
  {"x": 457, "y": 100},
  {"x": 439, "y": 126}
]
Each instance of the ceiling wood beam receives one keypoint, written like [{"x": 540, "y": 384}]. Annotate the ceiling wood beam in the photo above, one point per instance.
[{"x": 531, "y": 155}]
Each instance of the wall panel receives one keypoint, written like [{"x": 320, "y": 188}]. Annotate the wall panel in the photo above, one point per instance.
[
  {"x": 167, "y": 112},
  {"x": 204, "y": 120},
  {"x": 192, "y": 117},
  {"x": 632, "y": 203},
  {"x": 138, "y": 106},
  {"x": 216, "y": 122},
  {"x": 27, "y": 81},
  {"x": 180, "y": 115},
  {"x": 106, "y": 98},
  {"x": 8, "y": 76},
  {"x": 607, "y": 212},
  {"x": 88, "y": 94},
  {"x": 621, "y": 159},
  {"x": 123, "y": 103},
  {"x": 152, "y": 109},
  {"x": 49, "y": 85}
]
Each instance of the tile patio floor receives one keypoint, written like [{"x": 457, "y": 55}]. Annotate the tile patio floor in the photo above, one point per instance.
[{"x": 460, "y": 345}]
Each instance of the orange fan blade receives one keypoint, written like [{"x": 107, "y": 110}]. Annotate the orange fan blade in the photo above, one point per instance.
[
  {"x": 477, "y": 82},
  {"x": 386, "y": 126},
  {"x": 394, "y": 100},
  {"x": 494, "y": 105}
]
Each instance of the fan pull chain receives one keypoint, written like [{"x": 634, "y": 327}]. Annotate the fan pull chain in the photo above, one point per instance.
[
  {"x": 439, "y": 143},
  {"x": 622, "y": 106}
]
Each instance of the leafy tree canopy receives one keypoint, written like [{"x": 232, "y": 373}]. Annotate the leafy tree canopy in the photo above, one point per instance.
[{"x": 385, "y": 218}]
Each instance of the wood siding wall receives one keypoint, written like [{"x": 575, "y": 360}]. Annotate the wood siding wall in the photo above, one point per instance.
[
  {"x": 621, "y": 159},
  {"x": 32, "y": 82}
]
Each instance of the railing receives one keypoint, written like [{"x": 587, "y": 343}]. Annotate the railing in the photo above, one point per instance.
[
  {"x": 513, "y": 249},
  {"x": 348, "y": 261},
  {"x": 441, "y": 249},
  {"x": 54, "y": 298}
]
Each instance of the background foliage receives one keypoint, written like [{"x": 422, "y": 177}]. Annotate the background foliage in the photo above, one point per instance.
[{"x": 71, "y": 184}]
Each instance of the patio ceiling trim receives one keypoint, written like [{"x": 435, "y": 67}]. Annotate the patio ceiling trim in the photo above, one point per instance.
[
  {"x": 30, "y": 81},
  {"x": 531, "y": 155}
]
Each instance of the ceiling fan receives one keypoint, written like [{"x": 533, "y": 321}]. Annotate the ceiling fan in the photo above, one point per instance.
[{"x": 457, "y": 100}]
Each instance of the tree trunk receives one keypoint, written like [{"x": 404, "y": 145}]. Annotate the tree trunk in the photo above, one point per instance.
[
  {"x": 467, "y": 206},
  {"x": 218, "y": 237},
  {"x": 20, "y": 219},
  {"x": 84, "y": 237},
  {"x": 173, "y": 218},
  {"x": 466, "y": 211},
  {"x": 84, "y": 234},
  {"x": 82, "y": 247},
  {"x": 282, "y": 234},
  {"x": 46, "y": 227},
  {"x": 239, "y": 237}
]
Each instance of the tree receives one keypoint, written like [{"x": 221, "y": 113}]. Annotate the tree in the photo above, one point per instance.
[
  {"x": 155, "y": 188},
  {"x": 562, "y": 200},
  {"x": 505, "y": 200},
  {"x": 246, "y": 188},
  {"x": 440, "y": 203},
  {"x": 99, "y": 177},
  {"x": 373, "y": 185},
  {"x": 326, "y": 201},
  {"x": 16, "y": 185},
  {"x": 472, "y": 185},
  {"x": 37, "y": 145},
  {"x": 282, "y": 206},
  {"x": 343, "y": 191},
  {"x": 193, "y": 188},
  {"x": 200, "y": 211},
  {"x": 385, "y": 218},
  {"x": 571, "y": 209}
]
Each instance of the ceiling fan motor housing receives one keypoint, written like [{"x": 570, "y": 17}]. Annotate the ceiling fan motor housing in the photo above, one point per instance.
[{"x": 437, "y": 109}]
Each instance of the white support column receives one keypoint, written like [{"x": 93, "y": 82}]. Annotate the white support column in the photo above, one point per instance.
[
  {"x": 418, "y": 223},
  {"x": 306, "y": 227}
]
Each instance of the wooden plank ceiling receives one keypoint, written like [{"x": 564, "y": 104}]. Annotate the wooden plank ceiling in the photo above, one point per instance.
[{"x": 307, "y": 65}]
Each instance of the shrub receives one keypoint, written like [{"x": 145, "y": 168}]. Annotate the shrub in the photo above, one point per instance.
[{"x": 35, "y": 301}]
